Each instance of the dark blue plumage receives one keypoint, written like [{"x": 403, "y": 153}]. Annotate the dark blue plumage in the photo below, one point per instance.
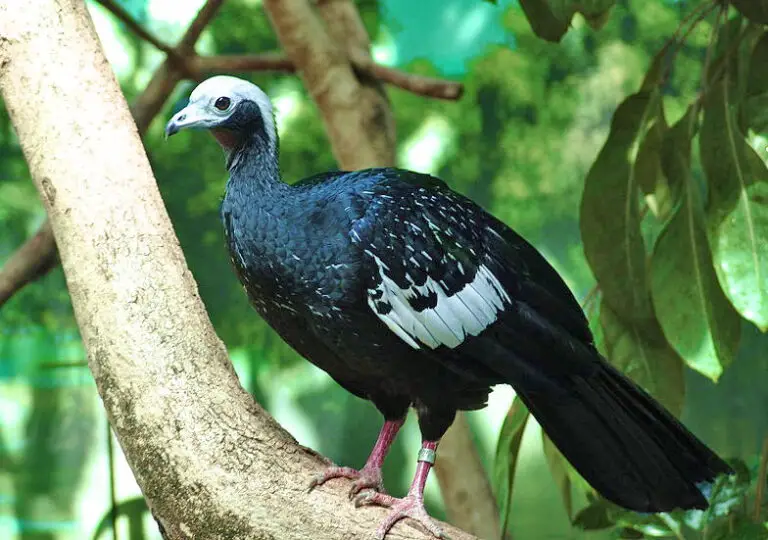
[{"x": 409, "y": 294}]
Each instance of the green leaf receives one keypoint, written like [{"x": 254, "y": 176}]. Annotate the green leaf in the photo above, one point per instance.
[
  {"x": 132, "y": 510},
  {"x": 641, "y": 351},
  {"x": 648, "y": 162},
  {"x": 740, "y": 528},
  {"x": 650, "y": 525},
  {"x": 507, "y": 453},
  {"x": 595, "y": 12},
  {"x": 737, "y": 208},
  {"x": 558, "y": 466},
  {"x": 732, "y": 55},
  {"x": 695, "y": 316},
  {"x": 722, "y": 153},
  {"x": 756, "y": 101},
  {"x": 754, "y": 10},
  {"x": 550, "y": 19},
  {"x": 741, "y": 253},
  {"x": 610, "y": 216},
  {"x": 543, "y": 20},
  {"x": 655, "y": 73},
  {"x": 595, "y": 516},
  {"x": 648, "y": 169},
  {"x": 756, "y": 112},
  {"x": 757, "y": 82}
]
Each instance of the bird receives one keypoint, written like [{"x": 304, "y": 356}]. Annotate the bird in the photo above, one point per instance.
[{"x": 412, "y": 296}]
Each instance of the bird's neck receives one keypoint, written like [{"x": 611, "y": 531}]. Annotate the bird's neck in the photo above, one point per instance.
[{"x": 253, "y": 169}]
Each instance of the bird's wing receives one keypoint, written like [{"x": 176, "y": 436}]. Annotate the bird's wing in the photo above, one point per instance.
[{"x": 444, "y": 275}]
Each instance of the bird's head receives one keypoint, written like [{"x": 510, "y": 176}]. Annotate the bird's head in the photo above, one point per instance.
[{"x": 233, "y": 109}]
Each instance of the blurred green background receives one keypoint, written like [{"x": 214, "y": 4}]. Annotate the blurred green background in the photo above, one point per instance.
[{"x": 520, "y": 142}]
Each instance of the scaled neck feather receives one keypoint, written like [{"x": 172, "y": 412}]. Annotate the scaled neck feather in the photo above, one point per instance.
[{"x": 253, "y": 167}]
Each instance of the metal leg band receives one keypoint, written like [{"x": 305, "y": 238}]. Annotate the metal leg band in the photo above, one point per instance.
[{"x": 427, "y": 455}]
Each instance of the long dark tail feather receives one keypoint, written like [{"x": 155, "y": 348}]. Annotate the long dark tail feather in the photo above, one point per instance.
[{"x": 626, "y": 445}]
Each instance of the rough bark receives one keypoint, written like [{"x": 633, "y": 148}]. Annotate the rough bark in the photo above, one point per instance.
[
  {"x": 211, "y": 462},
  {"x": 360, "y": 125},
  {"x": 357, "y": 117}
]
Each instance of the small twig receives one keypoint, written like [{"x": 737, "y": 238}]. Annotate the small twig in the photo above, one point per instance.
[
  {"x": 134, "y": 26},
  {"x": 696, "y": 15},
  {"x": 275, "y": 61},
  {"x": 703, "y": 14},
  {"x": 711, "y": 44},
  {"x": 762, "y": 472},
  {"x": 60, "y": 365},
  {"x": 178, "y": 59},
  {"x": 693, "y": 13},
  {"x": 201, "y": 20},
  {"x": 416, "y": 84},
  {"x": 721, "y": 69}
]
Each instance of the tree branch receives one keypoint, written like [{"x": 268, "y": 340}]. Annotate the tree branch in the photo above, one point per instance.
[
  {"x": 198, "y": 24},
  {"x": 196, "y": 67},
  {"x": 37, "y": 256},
  {"x": 275, "y": 61},
  {"x": 168, "y": 74},
  {"x": 346, "y": 33},
  {"x": 210, "y": 462},
  {"x": 118, "y": 11},
  {"x": 32, "y": 260},
  {"x": 415, "y": 84}
]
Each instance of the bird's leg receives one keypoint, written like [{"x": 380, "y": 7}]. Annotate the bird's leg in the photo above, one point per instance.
[
  {"x": 412, "y": 505},
  {"x": 370, "y": 475}
]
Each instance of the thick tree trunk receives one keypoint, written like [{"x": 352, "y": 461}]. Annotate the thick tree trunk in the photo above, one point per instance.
[{"x": 211, "y": 462}]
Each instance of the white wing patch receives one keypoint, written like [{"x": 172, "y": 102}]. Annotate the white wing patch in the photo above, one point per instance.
[{"x": 467, "y": 312}]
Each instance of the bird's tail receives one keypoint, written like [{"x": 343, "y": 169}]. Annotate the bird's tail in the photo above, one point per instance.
[{"x": 626, "y": 445}]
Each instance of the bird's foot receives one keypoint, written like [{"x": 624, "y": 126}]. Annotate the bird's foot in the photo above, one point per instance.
[
  {"x": 410, "y": 506},
  {"x": 365, "y": 478}
]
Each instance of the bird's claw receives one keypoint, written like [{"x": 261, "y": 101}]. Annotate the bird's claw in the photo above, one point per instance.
[
  {"x": 367, "y": 480},
  {"x": 363, "y": 479},
  {"x": 333, "y": 472},
  {"x": 409, "y": 506},
  {"x": 374, "y": 498}
]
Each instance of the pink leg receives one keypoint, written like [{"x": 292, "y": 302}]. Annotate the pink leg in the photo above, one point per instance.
[
  {"x": 370, "y": 475},
  {"x": 412, "y": 505}
]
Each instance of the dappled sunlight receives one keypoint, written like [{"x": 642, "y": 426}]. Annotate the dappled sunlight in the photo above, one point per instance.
[{"x": 424, "y": 151}]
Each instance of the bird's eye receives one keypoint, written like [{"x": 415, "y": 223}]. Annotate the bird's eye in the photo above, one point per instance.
[{"x": 222, "y": 103}]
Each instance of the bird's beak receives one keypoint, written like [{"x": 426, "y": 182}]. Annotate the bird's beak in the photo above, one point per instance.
[{"x": 188, "y": 117}]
